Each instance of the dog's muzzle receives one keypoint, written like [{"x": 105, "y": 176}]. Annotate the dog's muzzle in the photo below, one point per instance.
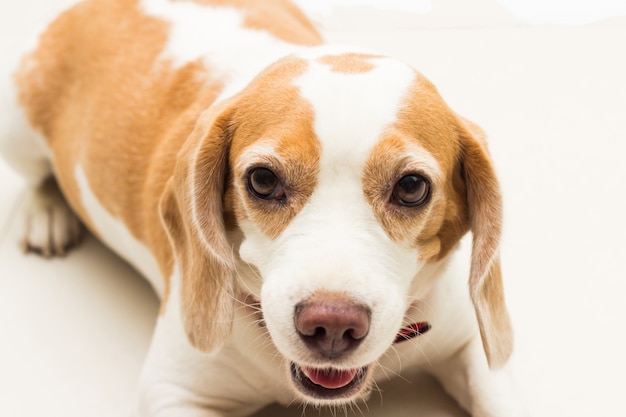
[
  {"x": 332, "y": 328},
  {"x": 337, "y": 384}
]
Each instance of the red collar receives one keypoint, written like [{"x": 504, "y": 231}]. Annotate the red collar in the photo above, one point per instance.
[{"x": 411, "y": 331}]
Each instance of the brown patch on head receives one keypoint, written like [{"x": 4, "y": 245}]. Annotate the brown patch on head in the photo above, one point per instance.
[
  {"x": 273, "y": 128},
  {"x": 427, "y": 119},
  {"x": 350, "y": 63},
  {"x": 423, "y": 141}
]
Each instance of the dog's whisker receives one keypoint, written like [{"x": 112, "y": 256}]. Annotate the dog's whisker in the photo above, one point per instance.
[
  {"x": 375, "y": 387},
  {"x": 356, "y": 405},
  {"x": 303, "y": 410},
  {"x": 385, "y": 369},
  {"x": 423, "y": 353},
  {"x": 266, "y": 341},
  {"x": 245, "y": 284},
  {"x": 398, "y": 356},
  {"x": 254, "y": 315}
]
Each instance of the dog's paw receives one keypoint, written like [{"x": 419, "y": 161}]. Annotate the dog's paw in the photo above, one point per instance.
[{"x": 50, "y": 227}]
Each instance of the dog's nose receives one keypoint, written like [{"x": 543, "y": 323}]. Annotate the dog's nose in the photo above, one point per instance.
[{"x": 332, "y": 324}]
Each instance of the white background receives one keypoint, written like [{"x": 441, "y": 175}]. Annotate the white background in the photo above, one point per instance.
[{"x": 73, "y": 331}]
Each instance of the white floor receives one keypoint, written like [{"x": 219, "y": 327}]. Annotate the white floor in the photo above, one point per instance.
[{"x": 73, "y": 331}]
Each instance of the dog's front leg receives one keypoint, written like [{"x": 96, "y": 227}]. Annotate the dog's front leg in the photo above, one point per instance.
[
  {"x": 482, "y": 391},
  {"x": 179, "y": 381}
]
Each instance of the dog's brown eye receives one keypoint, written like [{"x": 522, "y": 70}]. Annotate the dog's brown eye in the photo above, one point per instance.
[
  {"x": 264, "y": 184},
  {"x": 412, "y": 190}
]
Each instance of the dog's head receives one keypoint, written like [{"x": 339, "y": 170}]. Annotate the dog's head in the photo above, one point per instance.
[{"x": 346, "y": 174}]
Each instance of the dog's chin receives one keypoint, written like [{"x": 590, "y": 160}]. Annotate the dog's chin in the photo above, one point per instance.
[{"x": 330, "y": 385}]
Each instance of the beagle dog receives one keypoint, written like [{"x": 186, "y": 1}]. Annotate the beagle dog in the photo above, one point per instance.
[{"x": 298, "y": 207}]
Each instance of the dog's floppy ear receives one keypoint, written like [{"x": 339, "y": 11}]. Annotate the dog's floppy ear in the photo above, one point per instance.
[
  {"x": 485, "y": 218},
  {"x": 192, "y": 212}
]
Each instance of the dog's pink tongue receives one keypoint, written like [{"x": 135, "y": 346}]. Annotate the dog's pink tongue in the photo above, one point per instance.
[{"x": 330, "y": 378}]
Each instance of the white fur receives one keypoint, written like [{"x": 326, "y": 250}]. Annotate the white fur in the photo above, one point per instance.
[
  {"x": 115, "y": 234},
  {"x": 352, "y": 110}
]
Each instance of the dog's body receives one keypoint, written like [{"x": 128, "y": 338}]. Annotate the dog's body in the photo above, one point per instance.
[{"x": 295, "y": 205}]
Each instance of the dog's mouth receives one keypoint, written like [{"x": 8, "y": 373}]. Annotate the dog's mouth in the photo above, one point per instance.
[{"x": 328, "y": 383}]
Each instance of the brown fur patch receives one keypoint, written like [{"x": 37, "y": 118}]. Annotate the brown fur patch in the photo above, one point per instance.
[
  {"x": 350, "y": 63},
  {"x": 427, "y": 119},
  {"x": 296, "y": 147},
  {"x": 425, "y": 127}
]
